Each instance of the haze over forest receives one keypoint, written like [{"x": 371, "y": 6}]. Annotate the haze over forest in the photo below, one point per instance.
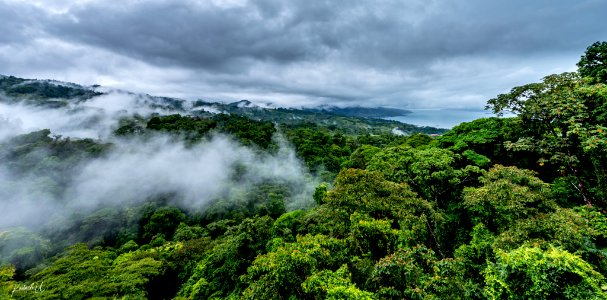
[{"x": 132, "y": 168}]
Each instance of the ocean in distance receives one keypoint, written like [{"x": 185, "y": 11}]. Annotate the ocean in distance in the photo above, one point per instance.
[{"x": 441, "y": 118}]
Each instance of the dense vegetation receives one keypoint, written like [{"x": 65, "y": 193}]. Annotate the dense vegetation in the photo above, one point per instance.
[
  {"x": 497, "y": 208},
  {"x": 43, "y": 93}
]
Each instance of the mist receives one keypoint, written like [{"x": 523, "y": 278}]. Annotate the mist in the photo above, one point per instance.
[
  {"x": 94, "y": 118},
  {"x": 135, "y": 169}
]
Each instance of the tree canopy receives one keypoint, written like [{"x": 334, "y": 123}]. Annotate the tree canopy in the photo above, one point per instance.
[{"x": 496, "y": 208}]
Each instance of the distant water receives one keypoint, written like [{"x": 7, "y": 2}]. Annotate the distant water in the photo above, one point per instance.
[{"x": 441, "y": 118}]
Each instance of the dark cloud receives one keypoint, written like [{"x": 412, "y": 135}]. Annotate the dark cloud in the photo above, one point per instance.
[
  {"x": 389, "y": 52},
  {"x": 197, "y": 35},
  {"x": 18, "y": 23}
]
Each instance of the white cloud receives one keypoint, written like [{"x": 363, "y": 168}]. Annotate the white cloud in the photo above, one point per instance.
[{"x": 135, "y": 169}]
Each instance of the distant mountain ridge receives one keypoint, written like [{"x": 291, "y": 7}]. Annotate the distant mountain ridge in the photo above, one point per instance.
[
  {"x": 47, "y": 93},
  {"x": 55, "y": 94},
  {"x": 349, "y": 111},
  {"x": 363, "y": 112}
]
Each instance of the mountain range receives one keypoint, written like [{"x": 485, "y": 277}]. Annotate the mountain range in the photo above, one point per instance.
[{"x": 356, "y": 120}]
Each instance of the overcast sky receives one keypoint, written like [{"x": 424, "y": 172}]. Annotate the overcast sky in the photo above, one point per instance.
[{"x": 407, "y": 53}]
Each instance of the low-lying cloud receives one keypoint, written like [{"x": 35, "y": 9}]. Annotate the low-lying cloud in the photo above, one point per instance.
[
  {"x": 196, "y": 175},
  {"x": 136, "y": 169},
  {"x": 94, "y": 118}
]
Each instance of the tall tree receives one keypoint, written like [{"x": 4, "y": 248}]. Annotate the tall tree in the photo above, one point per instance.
[
  {"x": 565, "y": 121},
  {"x": 593, "y": 63}
]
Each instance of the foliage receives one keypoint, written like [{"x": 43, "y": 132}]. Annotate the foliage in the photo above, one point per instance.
[
  {"x": 320, "y": 193},
  {"x": 217, "y": 274},
  {"x": 431, "y": 172},
  {"x": 82, "y": 273},
  {"x": 500, "y": 208},
  {"x": 280, "y": 274},
  {"x": 481, "y": 142},
  {"x": 475, "y": 254},
  {"x": 362, "y": 156},
  {"x": 366, "y": 192},
  {"x": 193, "y": 128},
  {"x": 247, "y": 131},
  {"x": 596, "y": 219},
  {"x": 533, "y": 273},
  {"x": 45, "y": 93},
  {"x": 326, "y": 220},
  {"x": 480, "y": 135},
  {"x": 163, "y": 221},
  {"x": 22, "y": 248},
  {"x": 265, "y": 198},
  {"x": 563, "y": 228},
  {"x": 415, "y": 273},
  {"x": 593, "y": 63},
  {"x": 319, "y": 149},
  {"x": 287, "y": 225},
  {"x": 563, "y": 121},
  {"x": 327, "y": 284},
  {"x": 508, "y": 194},
  {"x": 7, "y": 285},
  {"x": 185, "y": 233},
  {"x": 374, "y": 238},
  {"x": 419, "y": 140}
]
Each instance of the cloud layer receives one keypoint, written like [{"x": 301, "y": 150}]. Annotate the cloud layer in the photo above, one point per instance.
[
  {"x": 398, "y": 53},
  {"x": 134, "y": 169}
]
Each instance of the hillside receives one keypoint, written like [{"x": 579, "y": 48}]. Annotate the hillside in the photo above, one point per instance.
[
  {"x": 119, "y": 195},
  {"x": 348, "y": 120}
]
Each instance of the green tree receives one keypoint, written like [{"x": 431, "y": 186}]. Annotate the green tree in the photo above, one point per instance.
[
  {"x": 287, "y": 225},
  {"x": 193, "y": 128},
  {"x": 217, "y": 273},
  {"x": 335, "y": 285},
  {"x": 475, "y": 254},
  {"x": 281, "y": 273},
  {"x": 482, "y": 142},
  {"x": 432, "y": 173},
  {"x": 564, "y": 124},
  {"x": 366, "y": 192},
  {"x": 7, "y": 284},
  {"x": 320, "y": 149},
  {"x": 374, "y": 238},
  {"x": 415, "y": 273},
  {"x": 22, "y": 248},
  {"x": 563, "y": 228},
  {"x": 418, "y": 140},
  {"x": 508, "y": 194},
  {"x": 163, "y": 221},
  {"x": 82, "y": 273},
  {"x": 593, "y": 64},
  {"x": 533, "y": 273},
  {"x": 362, "y": 155},
  {"x": 247, "y": 131}
]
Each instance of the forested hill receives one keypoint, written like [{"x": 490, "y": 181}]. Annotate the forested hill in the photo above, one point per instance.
[
  {"x": 124, "y": 196},
  {"x": 349, "y": 120},
  {"x": 365, "y": 112}
]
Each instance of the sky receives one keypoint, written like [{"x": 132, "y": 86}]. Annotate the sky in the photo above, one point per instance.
[{"x": 397, "y": 53}]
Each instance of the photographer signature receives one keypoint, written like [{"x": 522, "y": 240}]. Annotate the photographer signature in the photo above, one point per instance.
[{"x": 33, "y": 287}]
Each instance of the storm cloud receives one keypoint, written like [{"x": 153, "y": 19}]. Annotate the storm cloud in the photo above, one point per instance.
[{"x": 395, "y": 53}]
